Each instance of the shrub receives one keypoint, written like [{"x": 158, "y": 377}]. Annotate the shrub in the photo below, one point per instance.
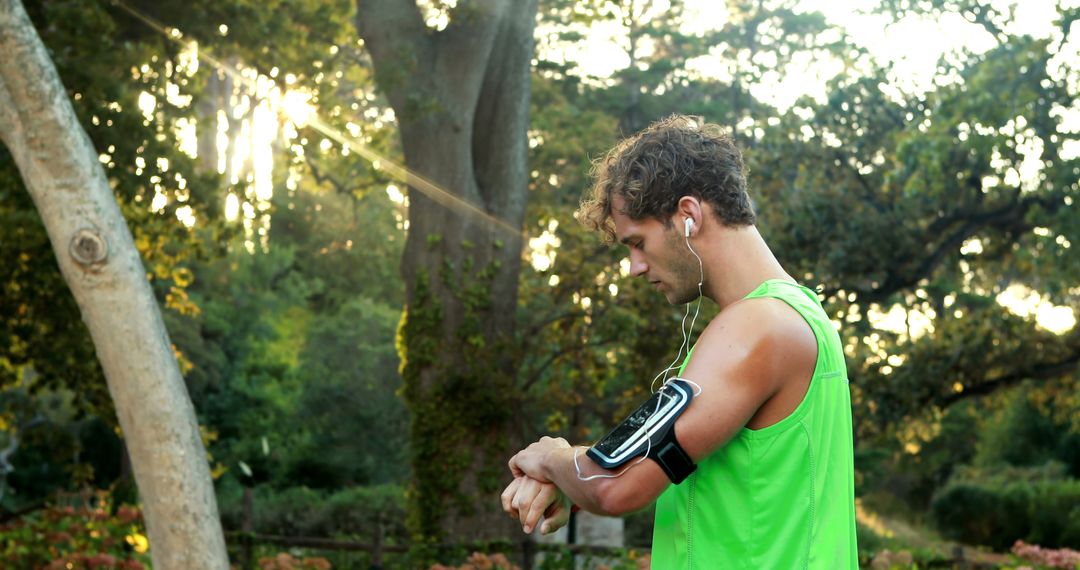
[
  {"x": 869, "y": 540},
  {"x": 286, "y": 561},
  {"x": 1064, "y": 558},
  {"x": 997, "y": 508},
  {"x": 481, "y": 561},
  {"x": 301, "y": 511},
  {"x": 89, "y": 537}
]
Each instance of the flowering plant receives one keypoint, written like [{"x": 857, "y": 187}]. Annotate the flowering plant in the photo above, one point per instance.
[
  {"x": 90, "y": 536},
  {"x": 1066, "y": 558}
]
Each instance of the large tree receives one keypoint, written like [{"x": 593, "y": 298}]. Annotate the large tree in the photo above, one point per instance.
[
  {"x": 932, "y": 205},
  {"x": 461, "y": 98},
  {"x": 100, "y": 263}
]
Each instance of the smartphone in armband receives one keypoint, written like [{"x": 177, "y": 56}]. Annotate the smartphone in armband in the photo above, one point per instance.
[{"x": 650, "y": 431}]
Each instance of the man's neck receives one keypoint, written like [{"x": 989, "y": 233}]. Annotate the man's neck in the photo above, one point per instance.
[{"x": 738, "y": 261}]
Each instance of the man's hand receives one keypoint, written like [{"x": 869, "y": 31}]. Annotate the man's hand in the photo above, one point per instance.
[
  {"x": 527, "y": 499},
  {"x": 530, "y": 461}
]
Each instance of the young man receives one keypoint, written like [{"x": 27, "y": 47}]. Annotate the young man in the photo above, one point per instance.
[{"x": 771, "y": 483}]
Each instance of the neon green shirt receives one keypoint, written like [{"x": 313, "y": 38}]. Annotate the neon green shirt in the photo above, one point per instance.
[{"x": 781, "y": 497}]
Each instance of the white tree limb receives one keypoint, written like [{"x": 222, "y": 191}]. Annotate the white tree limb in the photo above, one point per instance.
[{"x": 101, "y": 265}]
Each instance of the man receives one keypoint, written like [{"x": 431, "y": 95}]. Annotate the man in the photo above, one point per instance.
[{"x": 770, "y": 429}]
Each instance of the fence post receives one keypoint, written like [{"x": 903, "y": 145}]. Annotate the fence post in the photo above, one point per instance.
[
  {"x": 248, "y": 528},
  {"x": 528, "y": 554},
  {"x": 376, "y": 549}
]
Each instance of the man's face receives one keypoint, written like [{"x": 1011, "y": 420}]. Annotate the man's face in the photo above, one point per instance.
[{"x": 659, "y": 253}]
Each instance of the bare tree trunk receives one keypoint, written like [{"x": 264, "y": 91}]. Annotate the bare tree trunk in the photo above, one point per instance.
[
  {"x": 461, "y": 96},
  {"x": 98, "y": 259}
]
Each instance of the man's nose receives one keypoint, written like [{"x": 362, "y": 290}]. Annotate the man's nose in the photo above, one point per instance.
[{"x": 638, "y": 266}]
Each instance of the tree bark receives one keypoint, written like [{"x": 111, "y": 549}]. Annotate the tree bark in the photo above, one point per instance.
[
  {"x": 461, "y": 96},
  {"x": 98, "y": 259}
]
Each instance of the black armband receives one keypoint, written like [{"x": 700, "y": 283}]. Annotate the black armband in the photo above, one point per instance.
[{"x": 650, "y": 431}]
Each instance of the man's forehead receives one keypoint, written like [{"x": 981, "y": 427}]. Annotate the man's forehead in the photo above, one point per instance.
[
  {"x": 624, "y": 226},
  {"x": 626, "y": 229},
  {"x": 618, "y": 204}
]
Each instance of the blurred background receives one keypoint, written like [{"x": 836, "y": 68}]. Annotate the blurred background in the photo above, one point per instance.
[{"x": 363, "y": 356}]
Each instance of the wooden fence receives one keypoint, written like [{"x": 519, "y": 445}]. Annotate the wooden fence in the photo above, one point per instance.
[{"x": 523, "y": 553}]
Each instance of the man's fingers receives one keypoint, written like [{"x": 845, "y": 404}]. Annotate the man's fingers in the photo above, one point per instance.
[
  {"x": 507, "y": 497},
  {"x": 547, "y": 494},
  {"x": 555, "y": 518},
  {"x": 524, "y": 499},
  {"x": 514, "y": 469}
]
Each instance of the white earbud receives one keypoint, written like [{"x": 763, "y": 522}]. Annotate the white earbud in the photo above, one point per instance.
[{"x": 689, "y": 225}]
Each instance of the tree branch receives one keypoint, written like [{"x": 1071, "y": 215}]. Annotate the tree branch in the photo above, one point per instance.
[
  {"x": 979, "y": 14},
  {"x": 868, "y": 192},
  {"x": 535, "y": 327},
  {"x": 326, "y": 178},
  {"x": 1008, "y": 217},
  {"x": 1044, "y": 371},
  {"x": 534, "y": 376}
]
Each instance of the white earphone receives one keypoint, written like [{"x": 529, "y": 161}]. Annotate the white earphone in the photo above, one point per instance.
[
  {"x": 688, "y": 225},
  {"x": 684, "y": 350}
]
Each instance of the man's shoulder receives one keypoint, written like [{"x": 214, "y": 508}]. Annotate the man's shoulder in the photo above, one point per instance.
[
  {"x": 766, "y": 330},
  {"x": 762, "y": 318}
]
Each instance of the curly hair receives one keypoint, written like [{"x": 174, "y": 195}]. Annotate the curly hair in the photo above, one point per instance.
[{"x": 651, "y": 170}]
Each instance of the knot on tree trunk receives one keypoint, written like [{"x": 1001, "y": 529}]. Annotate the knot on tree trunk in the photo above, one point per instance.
[{"x": 88, "y": 247}]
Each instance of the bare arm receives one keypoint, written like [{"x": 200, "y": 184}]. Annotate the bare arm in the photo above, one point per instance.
[{"x": 741, "y": 360}]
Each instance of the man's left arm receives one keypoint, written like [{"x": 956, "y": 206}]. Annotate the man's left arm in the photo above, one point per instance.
[{"x": 740, "y": 361}]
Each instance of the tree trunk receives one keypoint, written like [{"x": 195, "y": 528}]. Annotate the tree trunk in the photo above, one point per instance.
[
  {"x": 99, "y": 261},
  {"x": 461, "y": 96}
]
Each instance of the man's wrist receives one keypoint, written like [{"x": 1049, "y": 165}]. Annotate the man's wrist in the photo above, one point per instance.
[
  {"x": 557, "y": 464},
  {"x": 548, "y": 465}
]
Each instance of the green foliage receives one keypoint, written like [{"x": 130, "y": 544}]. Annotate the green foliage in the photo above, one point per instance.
[
  {"x": 894, "y": 185},
  {"x": 869, "y": 541},
  {"x": 354, "y": 512},
  {"x": 91, "y": 535},
  {"x": 996, "y": 508},
  {"x": 967, "y": 448},
  {"x": 295, "y": 347},
  {"x": 40, "y": 316},
  {"x": 58, "y": 447},
  {"x": 1027, "y": 432},
  {"x": 355, "y": 419}
]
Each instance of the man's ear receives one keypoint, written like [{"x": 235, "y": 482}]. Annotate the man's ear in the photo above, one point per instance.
[{"x": 689, "y": 208}]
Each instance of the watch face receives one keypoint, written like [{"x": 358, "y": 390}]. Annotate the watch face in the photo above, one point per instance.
[{"x": 638, "y": 427}]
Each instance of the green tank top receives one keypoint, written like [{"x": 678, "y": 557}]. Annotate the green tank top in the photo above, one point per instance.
[{"x": 781, "y": 497}]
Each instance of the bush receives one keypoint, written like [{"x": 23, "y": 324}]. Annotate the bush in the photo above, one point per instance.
[
  {"x": 286, "y": 561},
  {"x": 1065, "y": 558},
  {"x": 869, "y": 541},
  {"x": 301, "y": 511},
  {"x": 89, "y": 537},
  {"x": 481, "y": 561},
  {"x": 997, "y": 508}
]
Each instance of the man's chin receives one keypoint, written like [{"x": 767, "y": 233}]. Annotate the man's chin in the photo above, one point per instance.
[{"x": 679, "y": 300}]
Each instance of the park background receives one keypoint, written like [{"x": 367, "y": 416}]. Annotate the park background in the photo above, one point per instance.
[{"x": 357, "y": 222}]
